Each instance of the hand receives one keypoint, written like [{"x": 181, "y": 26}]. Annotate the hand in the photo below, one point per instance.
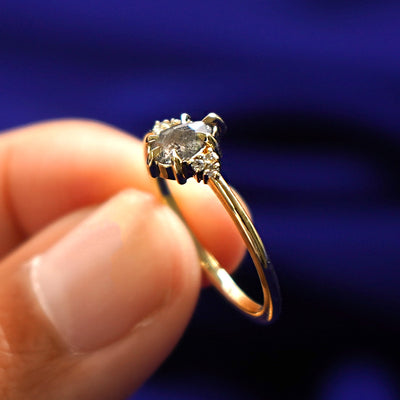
[{"x": 98, "y": 277}]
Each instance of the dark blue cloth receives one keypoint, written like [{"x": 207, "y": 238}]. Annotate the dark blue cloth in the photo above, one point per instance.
[{"x": 310, "y": 91}]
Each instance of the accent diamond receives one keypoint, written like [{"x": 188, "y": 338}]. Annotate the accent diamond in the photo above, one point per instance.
[
  {"x": 211, "y": 173},
  {"x": 198, "y": 164}
]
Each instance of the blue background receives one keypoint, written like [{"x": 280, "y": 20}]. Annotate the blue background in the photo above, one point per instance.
[{"x": 310, "y": 91}]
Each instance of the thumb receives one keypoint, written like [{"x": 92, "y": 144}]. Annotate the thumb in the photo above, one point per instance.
[{"x": 94, "y": 315}]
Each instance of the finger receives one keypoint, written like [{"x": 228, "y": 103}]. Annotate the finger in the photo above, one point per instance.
[
  {"x": 48, "y": 236},
  {"x": 99, "y": 310},
  {"x": 53, "y": 168}
]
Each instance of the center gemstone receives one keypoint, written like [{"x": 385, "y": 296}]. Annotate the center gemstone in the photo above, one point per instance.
[{"x": 181, "y": 138}]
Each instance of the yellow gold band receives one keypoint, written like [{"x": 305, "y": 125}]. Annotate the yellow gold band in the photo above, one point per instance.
[{"x": 220, "y": 278}]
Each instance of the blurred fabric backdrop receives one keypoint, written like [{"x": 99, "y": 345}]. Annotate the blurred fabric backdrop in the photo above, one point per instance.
[{"x": 310, "y": 91}]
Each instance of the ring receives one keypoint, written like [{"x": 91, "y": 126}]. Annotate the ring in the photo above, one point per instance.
[{"x": 180, "y": 149}]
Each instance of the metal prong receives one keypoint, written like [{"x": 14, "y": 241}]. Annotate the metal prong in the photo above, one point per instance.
[
  {"x": 151, "y": 138},
  {"x": 151, "y": 165},
  {"x": 213, "y": 142},
  {"x": 199, "y": 176},
  {"x": 213, "y": 119},
  {"x": 154, "y": 170},
  {"x": 185, "y": 118},
  {"x": 177, "y": 167},
  {"x": 163, "y": 172},
  {"x": 155, "y": 152},
  {"x": 150, "y": 156}
]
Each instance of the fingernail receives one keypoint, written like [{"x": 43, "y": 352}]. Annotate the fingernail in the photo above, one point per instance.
[{"x": 112, "y": 271}]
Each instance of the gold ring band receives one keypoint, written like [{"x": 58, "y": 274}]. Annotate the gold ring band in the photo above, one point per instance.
[{"x": 180, "y": 149}]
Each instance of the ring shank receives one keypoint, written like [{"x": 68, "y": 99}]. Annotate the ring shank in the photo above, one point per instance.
[{"x": 220, "y": 278}]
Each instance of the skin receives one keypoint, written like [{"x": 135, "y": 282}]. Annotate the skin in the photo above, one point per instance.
[{"x": 65, "y": 178}]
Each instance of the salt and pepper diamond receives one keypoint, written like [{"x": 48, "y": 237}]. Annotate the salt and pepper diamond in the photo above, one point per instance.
[
  {"x": 180, "y": 149},
  {"x": 182, "y": 139}
]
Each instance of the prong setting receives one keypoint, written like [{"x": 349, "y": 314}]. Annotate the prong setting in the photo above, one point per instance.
[
  {"x": 185, "y": 118},
  {"x": 179, "y": 149},
  {"x": 218, "y": 124}
]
